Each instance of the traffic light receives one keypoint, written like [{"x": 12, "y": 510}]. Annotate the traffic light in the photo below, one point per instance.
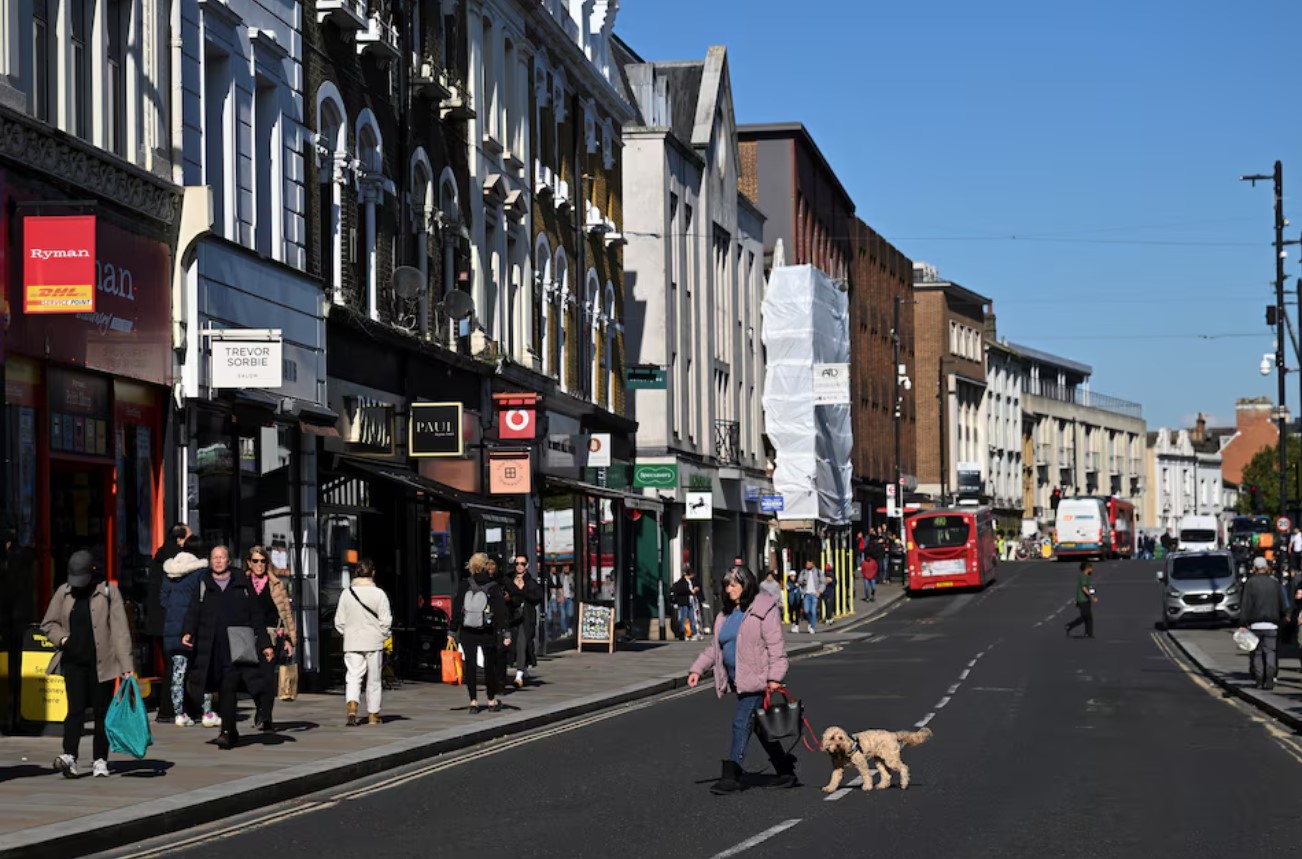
[
  {"x": 1258, "y": 503},
  {"x": 1055, "y": 498},
  {"x": 1272, "y": 315}
]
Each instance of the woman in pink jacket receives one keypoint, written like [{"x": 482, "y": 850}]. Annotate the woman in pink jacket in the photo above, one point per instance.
[{"x": 748, "y": 656}]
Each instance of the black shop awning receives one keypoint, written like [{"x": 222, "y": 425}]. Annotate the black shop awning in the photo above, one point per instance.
[{"x": 478, "y": 506}]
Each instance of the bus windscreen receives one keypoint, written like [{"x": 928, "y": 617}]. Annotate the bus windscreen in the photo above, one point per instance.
[{"x": 941, "y": 532}]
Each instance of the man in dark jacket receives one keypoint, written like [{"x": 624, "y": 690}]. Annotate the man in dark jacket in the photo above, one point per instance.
[
  {"x": 1262, "y": 610},
  {"x": 684, "y": 590},
  {"x": 154, "y": 614}
]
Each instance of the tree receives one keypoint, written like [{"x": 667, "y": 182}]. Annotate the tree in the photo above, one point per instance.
[{"x": 1263, "y": 472}]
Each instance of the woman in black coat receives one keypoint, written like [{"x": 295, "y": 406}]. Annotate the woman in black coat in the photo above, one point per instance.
[
  {"x": 523, "y": 596},
  {"x": 484, "y": 633},
  {"x": 225, "y": 601}
]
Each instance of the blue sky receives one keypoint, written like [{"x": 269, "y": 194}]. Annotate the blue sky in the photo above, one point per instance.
[{"x": 1106, "y": 137}]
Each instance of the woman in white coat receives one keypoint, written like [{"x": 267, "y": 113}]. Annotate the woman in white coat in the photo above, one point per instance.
[{"x": 364, "y": 619}]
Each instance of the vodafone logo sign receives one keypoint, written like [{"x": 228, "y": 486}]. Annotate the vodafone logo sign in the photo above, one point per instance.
[{"x": 517, "y": 423}]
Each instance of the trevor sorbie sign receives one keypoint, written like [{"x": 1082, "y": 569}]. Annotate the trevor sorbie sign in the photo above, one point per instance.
[
  {"x": 240, "y": 360},
  {"x": 435, "y": 429}
]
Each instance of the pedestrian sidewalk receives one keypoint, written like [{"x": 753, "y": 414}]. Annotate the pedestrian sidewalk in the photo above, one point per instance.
[
  {"x": 185, "y": 781},
  {"x": 1215, "y": 652}
]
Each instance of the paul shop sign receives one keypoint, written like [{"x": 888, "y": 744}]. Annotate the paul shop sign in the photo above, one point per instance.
[
  {"x": 243, "y": 358},
  {"x": 59, "y": 273},
  {"x": 435, "y": 430}
]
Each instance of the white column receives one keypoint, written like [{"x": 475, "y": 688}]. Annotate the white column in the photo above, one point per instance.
[{"x": 372, "y": 299}]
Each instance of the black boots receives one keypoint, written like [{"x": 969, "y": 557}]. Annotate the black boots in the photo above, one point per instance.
[
  {"x": 785, "y": 766},
  {"x": 730, "y": 781}
]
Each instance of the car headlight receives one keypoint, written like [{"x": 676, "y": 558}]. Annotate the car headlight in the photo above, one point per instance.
[{"x": 1172, "y": 592}]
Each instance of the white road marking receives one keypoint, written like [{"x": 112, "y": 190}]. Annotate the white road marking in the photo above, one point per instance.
[
  {"x": 850, "y": 786},
  {"x": 953, "y": 688},
  {"x": 971, "y": 663},
  {"x": 942, "y": 702},
  {"x": 922, "y": 723},
  {"x": 757, "y": 839},
  {"x": 966, "y": 672}
]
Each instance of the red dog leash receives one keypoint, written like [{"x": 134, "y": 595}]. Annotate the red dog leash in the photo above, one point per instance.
[{"x": 818, "y": 745}]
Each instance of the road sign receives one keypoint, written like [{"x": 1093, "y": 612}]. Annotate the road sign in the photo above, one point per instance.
[
  {"x": 1283, "y": 525},
  {"x": 772, "y": 503},
  {"x": 644, "y": 377}
]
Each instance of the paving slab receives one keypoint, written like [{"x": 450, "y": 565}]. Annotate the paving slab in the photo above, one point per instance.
[{"x": 1216, "y": 654}]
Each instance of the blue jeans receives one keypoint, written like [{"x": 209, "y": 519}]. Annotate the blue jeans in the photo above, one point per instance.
[
  {"x": 811, "y": 610},
  {"x": 685, "y": 618},
  {"x": 747, "y": 704},
  {"x": 869, "y": 588}
]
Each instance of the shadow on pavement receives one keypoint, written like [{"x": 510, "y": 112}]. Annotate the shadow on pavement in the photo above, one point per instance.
[
  {"x": 23, "y": 771},
  {"x": 142, "y": 769}
]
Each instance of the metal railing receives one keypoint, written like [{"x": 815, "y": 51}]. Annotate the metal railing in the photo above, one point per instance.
[
  {"x": 1081, "y": 397},
  {"x": 727, "y": 442}
]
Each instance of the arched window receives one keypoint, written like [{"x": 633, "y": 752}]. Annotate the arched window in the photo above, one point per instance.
[
  {"x": 612, "y": 367},
  {"x": 450, "y": 222},
  {"x": 561, "y": 305},
  {"x": 370, "y": 193},
  {"x": 542, "y": 291},
  {"x": 420, "y": 203},
  {"x": 592, "y": 331},
  {"x": 332, "y": 153}
]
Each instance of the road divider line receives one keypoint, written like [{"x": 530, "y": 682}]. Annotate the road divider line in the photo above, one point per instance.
[
  {"x": 757, "y": 839},
  {"x": 966, "y": 672},
  {"x": 850, "y": 787},
  {"x": 953, "y": 688},
  {"x": 943, "y": 701},
  {"x": 922, "y": 723}
]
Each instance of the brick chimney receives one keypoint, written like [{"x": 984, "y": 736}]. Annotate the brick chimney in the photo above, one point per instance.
[
  {"x": 1199, "y": 433},
  {"x": 1249, "y": 412}
]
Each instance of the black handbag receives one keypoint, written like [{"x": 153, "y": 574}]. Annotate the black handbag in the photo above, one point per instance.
[{"x": 779, "y": 721}]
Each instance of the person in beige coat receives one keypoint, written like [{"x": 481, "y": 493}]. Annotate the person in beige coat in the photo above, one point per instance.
[
  {"x": 364, "y": 619},
  {"x": 88, "y": 625}
]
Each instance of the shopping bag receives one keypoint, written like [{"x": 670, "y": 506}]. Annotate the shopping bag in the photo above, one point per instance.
[
  {"x": 287, "y": 687},
  {"x": 127, "y": 723},
  {"x": 779, "y": 721},
  {"x": 1246, "y": 640},
  {"x": 453, "y": 669}
]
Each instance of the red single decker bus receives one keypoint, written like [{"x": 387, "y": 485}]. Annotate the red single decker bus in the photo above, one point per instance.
[
  {"x": 1121, "y": 527},
  {"x": 951, "y": 548}
]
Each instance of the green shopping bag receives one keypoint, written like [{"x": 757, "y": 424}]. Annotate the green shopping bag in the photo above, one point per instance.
[{"x": 127, "y": 723}]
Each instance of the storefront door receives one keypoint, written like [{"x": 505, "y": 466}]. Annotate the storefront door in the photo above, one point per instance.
[{"x": 81, "y": 515}]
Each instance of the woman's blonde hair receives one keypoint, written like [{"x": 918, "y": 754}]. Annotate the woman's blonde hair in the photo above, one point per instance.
[{"x": 478, "y": 563}]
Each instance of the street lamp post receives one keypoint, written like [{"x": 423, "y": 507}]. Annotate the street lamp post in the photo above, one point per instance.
[
  {"x": 901, "y": 381},
  {"x": 1277, "y": 179}
]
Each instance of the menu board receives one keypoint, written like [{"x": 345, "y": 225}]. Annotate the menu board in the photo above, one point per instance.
[
  {"x": 80, "y": 408},
  {"x": 596, "y": 625}
]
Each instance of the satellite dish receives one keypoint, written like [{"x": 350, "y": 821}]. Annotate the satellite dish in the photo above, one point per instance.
[
  {"x": 407, "y": 282},
  {"x": 458, "y": 305}
]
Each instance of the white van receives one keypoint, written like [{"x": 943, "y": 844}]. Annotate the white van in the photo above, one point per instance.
[
  {"x": 1198, "y": 534},
  {"x": 1081, "y": 529}
]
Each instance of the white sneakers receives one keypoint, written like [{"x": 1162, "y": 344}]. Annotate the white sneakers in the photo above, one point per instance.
[
  {"x": 99, "y": 769},
  {"x": 211, "y": 720},
  {"x": 184, "y": 721},
  {"x": 67, "y": 765},
  {"x": 795, "y": 627}
]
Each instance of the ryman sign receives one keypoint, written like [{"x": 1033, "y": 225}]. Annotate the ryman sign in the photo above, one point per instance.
[{"x": 242, "y": 361}]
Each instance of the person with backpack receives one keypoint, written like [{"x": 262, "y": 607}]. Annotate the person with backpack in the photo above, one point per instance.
[
  {"x": 181, "y": 576},
  {"x": 479, "y": 618},
  {"x": 364, "y": 619}
]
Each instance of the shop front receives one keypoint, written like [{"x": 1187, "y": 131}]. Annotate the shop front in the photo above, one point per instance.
[{"x": 85, "y": 420}]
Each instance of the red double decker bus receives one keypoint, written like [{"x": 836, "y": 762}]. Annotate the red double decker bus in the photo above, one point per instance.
[
  {"x": 951, "y": 548},
  {"x": 1121, "y": 527}
]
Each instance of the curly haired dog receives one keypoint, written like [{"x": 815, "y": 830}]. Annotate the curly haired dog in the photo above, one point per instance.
[{"x": 865, "y": 747}]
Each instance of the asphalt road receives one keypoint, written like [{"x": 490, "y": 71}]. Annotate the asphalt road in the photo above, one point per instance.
[{"x": 1043, "y": 746}]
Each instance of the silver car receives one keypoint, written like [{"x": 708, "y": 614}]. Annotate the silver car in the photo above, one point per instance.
[{"x": 1200, "y": 586}]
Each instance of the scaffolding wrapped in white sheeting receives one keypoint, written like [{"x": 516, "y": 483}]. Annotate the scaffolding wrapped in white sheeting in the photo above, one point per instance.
[{"x": 807, "y": 330}]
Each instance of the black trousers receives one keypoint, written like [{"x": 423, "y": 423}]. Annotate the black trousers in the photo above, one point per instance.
[
  {"x": 1086, "y": 610},
  {"x": 266, "y": 699},
  {"x": 228, "y": 698},
  {"x": 472, "y": 640},
  {"x": 85, "y": 691}
]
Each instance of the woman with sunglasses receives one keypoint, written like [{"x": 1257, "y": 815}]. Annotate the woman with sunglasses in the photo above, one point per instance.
[
  {"x": 275, "y": 613},
  {"x": 523, "y": 596}
]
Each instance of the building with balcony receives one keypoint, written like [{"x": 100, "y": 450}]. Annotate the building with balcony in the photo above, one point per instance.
[
  {"x": 1084, "y": 443},
  {"x": 1183, "y": 468},
  {"x": 695, "y": 270}
]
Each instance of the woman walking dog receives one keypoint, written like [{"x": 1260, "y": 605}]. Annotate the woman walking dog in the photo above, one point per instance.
[{"x": 748, "y": 655}]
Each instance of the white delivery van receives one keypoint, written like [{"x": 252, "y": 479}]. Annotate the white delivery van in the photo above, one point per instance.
[
  {"x": 1081, "y": 529},
  {"x": 1198, "y": 534}
]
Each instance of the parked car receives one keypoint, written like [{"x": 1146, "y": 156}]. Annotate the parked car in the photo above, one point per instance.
[{"x": 1200, "y": 586}]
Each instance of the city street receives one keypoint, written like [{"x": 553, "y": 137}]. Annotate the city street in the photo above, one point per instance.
[{"x": 1043, "y": 746}]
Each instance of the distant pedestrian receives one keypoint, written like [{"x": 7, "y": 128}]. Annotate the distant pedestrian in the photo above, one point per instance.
[
  {"x": 523, "y": 594},
  {"x": 479, "y": 617},
  {"x": 88, "y": 627},
  {"x": 868, "y": 571},
  {"x": 793, "y": 599},
  {"x": 770, "y": 584},
  {"x": 811, "y": 589},
  {"x": 829, "y": 592},
  {"x": 1085, "y": 600},
  {"x": 896, "y": 554},
  {"x": 748, "y": 655},
  {"x": 180, "y": 587},
  {"x": 155, "y": 613},
  {"x": 1262, "y": 610},
  {"x": 228, "y": 639},
  {"x": 278, "y": 617},
  {"x": 684, "y": 591},
  {"x": 1295, "y": 550},
  {"x": 1001, "y": 545},
  {"x": 365, "y": 620}
]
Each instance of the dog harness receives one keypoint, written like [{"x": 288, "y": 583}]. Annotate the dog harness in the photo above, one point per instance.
[{"x": 854, "y": 744}]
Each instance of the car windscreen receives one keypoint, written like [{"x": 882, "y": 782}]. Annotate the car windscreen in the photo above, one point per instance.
[
  {"x": 1197, "y": 535},
  {"x": 940, "y": 532},
  {"x": 1251, "y": 524},
  {"x": 1213, "y": 567}
]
